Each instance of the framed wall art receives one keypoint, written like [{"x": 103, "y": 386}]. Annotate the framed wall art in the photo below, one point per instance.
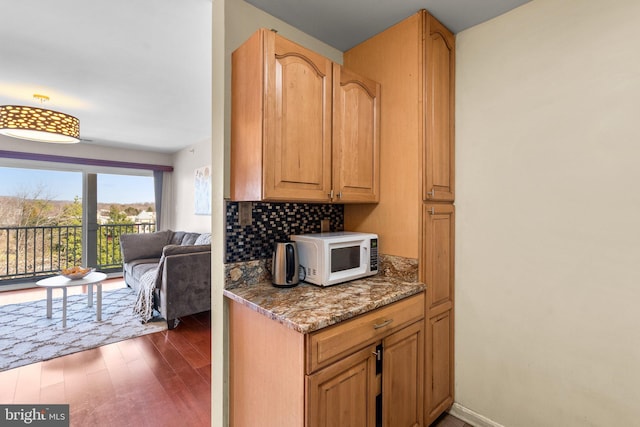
[{"x": 202, "y": 194}]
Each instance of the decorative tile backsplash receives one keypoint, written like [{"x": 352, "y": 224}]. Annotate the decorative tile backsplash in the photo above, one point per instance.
[{"x": 273, "y": 222}]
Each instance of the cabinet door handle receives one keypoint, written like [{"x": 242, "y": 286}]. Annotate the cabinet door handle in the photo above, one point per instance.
[
  {"x": 340, "y": 195},
  {"x": 431, "y": 193},
  {"x": 432, "y": 211},
  {"x": 330, "y": 195},
  {"x": 383, "y": 324}
]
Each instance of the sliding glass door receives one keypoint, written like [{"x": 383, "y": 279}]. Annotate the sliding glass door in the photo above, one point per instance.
[
  {"x": 52, "y": 219},
  {"x": 125, "y": 204}
]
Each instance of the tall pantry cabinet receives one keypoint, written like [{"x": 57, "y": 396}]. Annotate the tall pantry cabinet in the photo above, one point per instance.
[{"x": 414, "y": 61}]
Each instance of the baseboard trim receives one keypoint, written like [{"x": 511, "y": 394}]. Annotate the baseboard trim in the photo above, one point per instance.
[{"x": 471, "y": 417}]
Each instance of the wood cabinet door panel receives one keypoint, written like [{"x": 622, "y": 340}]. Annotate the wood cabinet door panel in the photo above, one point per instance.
[
  {"x": 343, "y": 394},
  {"x": 297, "y": 123},
  {"x": 438, "y": 240},
  {"x": 356, "y": 137},
  {"x": 284, "y": 123},
  {"x": 439, "y": 379},
  {"x": 439, "y": 88},
  {"x": 402, "y": 373}
]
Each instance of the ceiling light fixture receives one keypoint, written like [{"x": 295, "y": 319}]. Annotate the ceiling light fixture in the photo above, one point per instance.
[{"x": 39, "y": 124}]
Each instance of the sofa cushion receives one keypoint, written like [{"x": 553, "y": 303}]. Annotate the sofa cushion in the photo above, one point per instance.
[
  {"x": 137, "y": 269},
  {"x": 144, "y": 245},
  {"x": 203, "y": 239},
  {"x": 130, "y": 266}
]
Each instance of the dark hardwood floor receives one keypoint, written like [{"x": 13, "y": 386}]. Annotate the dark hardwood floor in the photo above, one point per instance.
[{"x": 161, "y": 379}]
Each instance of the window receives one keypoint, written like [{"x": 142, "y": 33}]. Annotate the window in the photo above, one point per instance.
[{"x": 42, "y": 222}]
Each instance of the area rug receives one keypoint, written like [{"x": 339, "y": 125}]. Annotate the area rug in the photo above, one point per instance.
[{"x": 27, "y": 336}]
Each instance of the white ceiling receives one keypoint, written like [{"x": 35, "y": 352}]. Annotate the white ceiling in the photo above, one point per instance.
[
  {"x": 345, "y": 23},
  {"x": 137, "y": 73}
]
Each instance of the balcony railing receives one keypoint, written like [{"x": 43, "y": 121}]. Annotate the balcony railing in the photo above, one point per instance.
[{"x": 29, "y": 253}]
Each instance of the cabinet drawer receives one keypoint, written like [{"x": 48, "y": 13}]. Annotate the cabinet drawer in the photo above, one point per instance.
[{"x": 330, "y": 344}]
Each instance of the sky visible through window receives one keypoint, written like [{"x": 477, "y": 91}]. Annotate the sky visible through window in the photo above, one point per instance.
[{"x": 62, "y": 185}]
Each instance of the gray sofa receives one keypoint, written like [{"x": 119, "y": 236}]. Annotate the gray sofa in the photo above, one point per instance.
[{"x": 177, "y": 264}]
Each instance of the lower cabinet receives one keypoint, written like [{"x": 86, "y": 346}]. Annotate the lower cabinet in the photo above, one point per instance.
[
  {"x": 367, "y": 371},
  {"x": 344, "y": 394},
  {"x": 439, "y": 366},
  {"x": 402, "y": 370},
  {"x": 378, "y": 385}
]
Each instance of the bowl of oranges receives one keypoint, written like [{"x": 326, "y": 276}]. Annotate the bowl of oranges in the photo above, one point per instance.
[{"x": 76, "y": 273}]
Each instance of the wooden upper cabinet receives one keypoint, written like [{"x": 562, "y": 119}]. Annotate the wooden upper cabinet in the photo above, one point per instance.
[
  {"x": 439, "y": 112},
  {"x": 282, "y": 130},
  {"x": 356, "y": 137},
  {"x": 280, "y": 121},
  {"x": 297, "y": 125}
]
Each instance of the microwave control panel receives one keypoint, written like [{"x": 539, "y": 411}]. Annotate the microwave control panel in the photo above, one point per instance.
[{"x": 374, "y": 255}]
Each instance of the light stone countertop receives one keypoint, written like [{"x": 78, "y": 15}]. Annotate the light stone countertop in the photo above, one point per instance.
[{"x": 307, "y": 308}]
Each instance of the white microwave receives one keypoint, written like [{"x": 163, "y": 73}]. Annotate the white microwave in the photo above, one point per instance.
[{"x": 331, "y": 258}]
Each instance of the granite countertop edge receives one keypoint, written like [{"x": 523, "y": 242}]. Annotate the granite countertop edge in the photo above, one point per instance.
[{"x": 301, "y": 309}]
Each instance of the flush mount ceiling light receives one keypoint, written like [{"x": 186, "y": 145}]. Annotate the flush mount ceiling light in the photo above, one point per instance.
[{"x": 39, "y": 124}]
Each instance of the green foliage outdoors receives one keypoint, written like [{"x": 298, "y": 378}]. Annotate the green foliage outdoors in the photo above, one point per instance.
[
  {"x": 109, "y": 238},
  {"x": 47, "y": 236},
  {"x": 131, "y": 211},
  {"x": 71, "y": 244}
]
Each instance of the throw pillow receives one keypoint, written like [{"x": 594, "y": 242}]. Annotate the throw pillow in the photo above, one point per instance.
[
  {"x": 189, "y": 238},
  {"x": 203, "y": 239}
]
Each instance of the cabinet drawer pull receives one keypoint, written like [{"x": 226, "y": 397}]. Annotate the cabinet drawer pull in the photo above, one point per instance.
[{"x": 383, "y": 324}]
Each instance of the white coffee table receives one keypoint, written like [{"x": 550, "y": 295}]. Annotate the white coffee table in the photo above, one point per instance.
[{"x": 63, "y": 283}]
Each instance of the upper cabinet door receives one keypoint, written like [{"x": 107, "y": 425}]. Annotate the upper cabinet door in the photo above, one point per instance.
[
  {"x": 286, "y": 109},
  {"x": 439, "y": 121},
  {"x": 297, "y": 122},
  {"x": 356, "y": 137}
]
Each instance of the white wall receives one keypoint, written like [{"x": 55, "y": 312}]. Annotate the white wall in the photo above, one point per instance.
[
  {"x": 548, "y": 240},
  {"x": 185, "y": 162}
]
